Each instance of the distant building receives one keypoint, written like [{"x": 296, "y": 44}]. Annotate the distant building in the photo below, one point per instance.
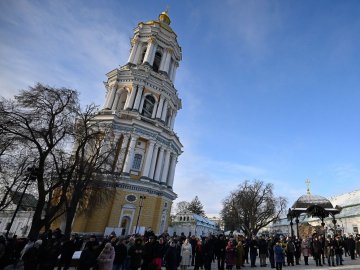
[
  {"x": 23, "y": 219},
  {"x": 348, "y": 221},
  {"x": 193, "y": 224}
]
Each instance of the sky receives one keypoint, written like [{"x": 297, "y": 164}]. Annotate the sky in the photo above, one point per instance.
[{"x": 270, "y": 89}]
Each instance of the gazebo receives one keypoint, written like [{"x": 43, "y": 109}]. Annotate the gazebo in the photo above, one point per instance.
[{"x": 314, "y": 206}]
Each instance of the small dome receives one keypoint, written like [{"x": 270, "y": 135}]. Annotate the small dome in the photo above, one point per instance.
[
  {"x": 308, "y": 200},
  {"x": 164, "y": 17}
]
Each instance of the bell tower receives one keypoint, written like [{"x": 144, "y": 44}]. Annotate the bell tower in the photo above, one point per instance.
[{"x": 140, "y": 106}]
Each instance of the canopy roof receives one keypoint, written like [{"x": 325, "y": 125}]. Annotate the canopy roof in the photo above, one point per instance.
[{"x": 308, "y": 200}]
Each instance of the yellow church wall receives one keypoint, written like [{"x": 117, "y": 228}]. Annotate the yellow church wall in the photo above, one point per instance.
[{"x": 108, "y": 215}]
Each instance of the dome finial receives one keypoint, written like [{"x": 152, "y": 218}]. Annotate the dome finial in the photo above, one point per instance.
[
  {"x": 307, "y": 182},
  {"x": 164, "y": 16}
]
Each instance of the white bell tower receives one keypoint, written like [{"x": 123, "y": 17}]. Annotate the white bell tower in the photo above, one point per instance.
[{"x": 141, "y": 105}]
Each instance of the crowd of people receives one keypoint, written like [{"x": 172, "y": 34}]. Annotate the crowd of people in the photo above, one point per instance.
[{"x": 150, "y": 252}]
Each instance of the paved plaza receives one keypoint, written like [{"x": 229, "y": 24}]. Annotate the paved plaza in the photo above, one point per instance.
[{"x": 347, "y": 264}]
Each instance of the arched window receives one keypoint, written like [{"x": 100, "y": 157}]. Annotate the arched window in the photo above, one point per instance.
[
  {"x": 137, "y": 162},
  {"x": 157, "y": 61},
  {"x": 142, "y": 56},
  {"x": 168, "y": 117},
  {"x": 180, "y": 218},
  {"x": 148, "y": 106},
  {"x": 122, "y": 100}
]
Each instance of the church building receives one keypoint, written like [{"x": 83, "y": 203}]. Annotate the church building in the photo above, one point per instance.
[{"x": 140, "y": 108}]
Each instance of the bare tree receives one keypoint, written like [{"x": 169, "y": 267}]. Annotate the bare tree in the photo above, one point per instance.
[
  {"x": 253, "y": 206},
  {"x": 92, "y": 155},
  {"x": 41, "y": 121},
  {"x": 181, "y": 206}
]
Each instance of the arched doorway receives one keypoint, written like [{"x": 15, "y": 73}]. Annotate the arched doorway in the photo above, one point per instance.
[{"x": 125, "y": 225}]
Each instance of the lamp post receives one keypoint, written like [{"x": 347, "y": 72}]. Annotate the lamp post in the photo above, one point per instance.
[
  {"x": 31, "y": 171},
  {"x": 141, "y": 204}
]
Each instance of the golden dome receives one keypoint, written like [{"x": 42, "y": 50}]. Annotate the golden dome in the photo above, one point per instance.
[{"x": 164, "y": 17}]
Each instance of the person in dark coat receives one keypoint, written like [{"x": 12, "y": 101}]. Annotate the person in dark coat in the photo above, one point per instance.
[
  {"x": 297, "y": 243},
  {"x": 67, "y": 251},
  {"x": 208, "y": 253},
  {"x": 316, "y": 250},
  {"x": 120, "y": 254},
  {"x": 338, "y": 247},
  {"x": 253, "y": 251},
  {"x": 159, "y": 252},
  {"x": 49, "y": 254},
  {"x": 193, "y": 243},
  {"x": 279, "y": 256},
  {"x": 88, "y": 257},
  {"x": 290, "y": 252},
  {"x": 220, "y": 246},
  {"x": 271, "y": 245},
  {"x": 136, "y": 252},
  {"x": 171, "y": 257},
  {"x": 351, "y": 246},
  {"x": 199, "y": 259},
  {"x": 149, "y": 254},
  {"x": 2, "y": 251},
  {"x": 246, "y": 248},
  {"x": 31, "y": 257},
  {"x": 262, "y": 251}
]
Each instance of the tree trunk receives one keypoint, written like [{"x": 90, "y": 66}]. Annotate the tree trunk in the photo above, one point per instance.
[
  {"x": 36, "y": 225},
  {"x": 69, "y": 217}
]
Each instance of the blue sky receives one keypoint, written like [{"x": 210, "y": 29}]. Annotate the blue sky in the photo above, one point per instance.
[{"x": 270, "y": 89}]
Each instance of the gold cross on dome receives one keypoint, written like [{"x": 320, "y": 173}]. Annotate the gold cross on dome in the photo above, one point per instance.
[{"x": 307, "y": 182}]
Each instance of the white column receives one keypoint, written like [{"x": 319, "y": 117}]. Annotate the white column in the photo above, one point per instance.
[
  {"x": 164, "y": 110},
  {"x": 159, "y": 165},
  {"x": 172, "y": 122},
  {"x": 170, "y": 181},
  {"x": 149, "y": 51},
  {"x": 120, "y": 159},
  {"x": 163, "y": 59},
  {"x": 160, "y": 107},
  {"x": 138, "y": 97},
  {"x": 148, "y": 157},
  {"x": 166, "y": 167},
  {"x": 173, "y": 73},
  {"x": 141, "y": 104},
  {"x": 154, "y": 110},
  {"x": 130, "y": 154},
  {"x": 138, "y": 53},
  {"x": 117, "y": 96},
  {"x": 166, "y": 62},
  {"x": 110, "y": 98},
  {"x": 152, "y": 56},
  {"x": 153, "y": 161},
  {"x": 130, "y": 101},
  {"x": 171, "y": 69},
  {"x": 135, "y": 46}
]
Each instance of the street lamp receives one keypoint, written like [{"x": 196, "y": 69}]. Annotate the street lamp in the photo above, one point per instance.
[
  {"x": 141, "y": 204},
  {"x": 31, "y": 176}
]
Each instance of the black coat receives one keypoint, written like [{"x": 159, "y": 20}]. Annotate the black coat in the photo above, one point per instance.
[
  {"x": 120, "y": 253},
  {"x": 171, "y": 258}
]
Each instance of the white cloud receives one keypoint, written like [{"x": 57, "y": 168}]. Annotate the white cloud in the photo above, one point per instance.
[
  {"x": 210, "y": 180},
  {"x": 62, "y": 45}
]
